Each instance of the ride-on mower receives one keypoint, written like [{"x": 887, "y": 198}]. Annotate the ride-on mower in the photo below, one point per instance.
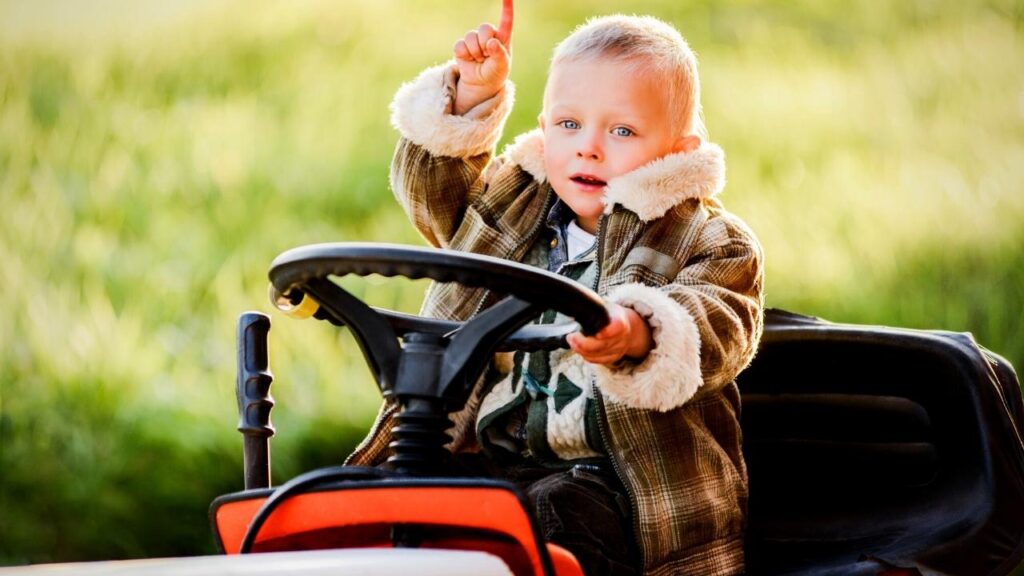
[{"x": 870, "y": 450}]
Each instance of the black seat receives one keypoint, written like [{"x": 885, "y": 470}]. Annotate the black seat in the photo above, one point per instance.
[{"x": 870, "y": 445}]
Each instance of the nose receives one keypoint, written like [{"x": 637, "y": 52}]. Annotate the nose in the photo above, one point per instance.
[{"x": 589, "y": 146}]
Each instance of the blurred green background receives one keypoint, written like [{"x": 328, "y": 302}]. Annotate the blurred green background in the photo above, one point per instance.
[{"x": 154, "y": 160}]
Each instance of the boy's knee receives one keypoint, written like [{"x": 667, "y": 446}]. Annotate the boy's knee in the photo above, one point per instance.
[
  {"x": 579, "y": 500},
  {"x": 585, "y": 510}
]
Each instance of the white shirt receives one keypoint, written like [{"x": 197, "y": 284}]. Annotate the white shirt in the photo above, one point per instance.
[{"x": 578, "y": 240}]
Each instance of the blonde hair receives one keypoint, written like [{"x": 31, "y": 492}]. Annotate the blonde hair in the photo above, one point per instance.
[{"x": 653, "y": 46}]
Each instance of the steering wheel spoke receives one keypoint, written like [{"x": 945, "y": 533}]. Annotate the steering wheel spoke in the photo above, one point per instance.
[
  {"x": 473, "y": 344},
  {"x": 372, "y": 332}
]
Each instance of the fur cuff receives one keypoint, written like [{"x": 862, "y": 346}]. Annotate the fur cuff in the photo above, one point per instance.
[
  {"x": 654, "y": 188},
  {"x": 421, "y": 112},
  {"x": 670, "y": 375}
]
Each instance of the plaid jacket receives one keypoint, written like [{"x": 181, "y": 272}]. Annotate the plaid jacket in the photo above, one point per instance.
[{"x": 667, "y": 249}]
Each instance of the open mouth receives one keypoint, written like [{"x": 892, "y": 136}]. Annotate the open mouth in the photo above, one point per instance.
[{"x": 587, "y": 180}]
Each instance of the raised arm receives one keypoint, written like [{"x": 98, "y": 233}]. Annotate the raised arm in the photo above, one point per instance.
[{"x": 450, "y": 119}]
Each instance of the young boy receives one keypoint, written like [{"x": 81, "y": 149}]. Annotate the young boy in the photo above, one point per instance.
[{"x": 629, "y": 444}]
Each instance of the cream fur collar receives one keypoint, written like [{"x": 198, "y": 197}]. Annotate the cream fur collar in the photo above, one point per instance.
[{"x": 652, "y": 189}]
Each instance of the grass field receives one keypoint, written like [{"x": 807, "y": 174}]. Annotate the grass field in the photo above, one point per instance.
[{"x": 154, "y": 160}]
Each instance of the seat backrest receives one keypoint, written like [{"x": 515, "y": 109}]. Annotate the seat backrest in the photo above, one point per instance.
[{"x": 877, "y": 442}]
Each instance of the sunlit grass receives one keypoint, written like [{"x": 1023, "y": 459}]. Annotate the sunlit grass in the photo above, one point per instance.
[{"x": 154, "y": 160}]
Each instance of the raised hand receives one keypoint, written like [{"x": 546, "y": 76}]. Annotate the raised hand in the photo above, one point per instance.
[{"x": 484, "y": 59}]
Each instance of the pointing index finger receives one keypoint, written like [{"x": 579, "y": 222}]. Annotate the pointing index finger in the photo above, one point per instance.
[{"x": 505, "y": 28}]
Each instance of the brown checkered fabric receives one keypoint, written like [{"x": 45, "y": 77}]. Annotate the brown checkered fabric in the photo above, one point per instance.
[{"x": 683, "y": 468}]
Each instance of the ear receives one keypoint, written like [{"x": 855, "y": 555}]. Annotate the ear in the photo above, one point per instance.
[
  {"x": 540, "y": 120},
  {"x": 686, "y": 143}
]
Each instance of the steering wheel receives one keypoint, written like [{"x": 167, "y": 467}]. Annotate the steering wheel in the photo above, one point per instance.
[{"x": 300, "y": 284}]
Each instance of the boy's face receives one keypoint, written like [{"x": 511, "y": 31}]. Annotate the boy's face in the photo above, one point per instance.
[{"x": 601, "y": 119}]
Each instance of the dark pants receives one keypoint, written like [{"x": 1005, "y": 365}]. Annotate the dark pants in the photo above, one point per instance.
[{"x": 583, "y": 509}]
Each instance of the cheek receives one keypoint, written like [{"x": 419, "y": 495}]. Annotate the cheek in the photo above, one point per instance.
[
  {"x": 636, "y": 157},
  {"x": 552, "y": 158}
]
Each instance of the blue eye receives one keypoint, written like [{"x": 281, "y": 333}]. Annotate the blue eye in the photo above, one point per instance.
[
  {"x": 622, "y": 131},
  {"x": 569, "y": 124}
]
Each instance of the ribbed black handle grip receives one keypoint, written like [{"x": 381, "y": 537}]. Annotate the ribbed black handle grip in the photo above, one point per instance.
[{"x": 254, "y": 400}]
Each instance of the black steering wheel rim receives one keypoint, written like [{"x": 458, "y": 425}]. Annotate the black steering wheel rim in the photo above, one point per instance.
[{"x": 297, "y": 266}]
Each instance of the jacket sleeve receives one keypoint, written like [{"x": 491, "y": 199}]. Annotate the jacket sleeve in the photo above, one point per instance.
[
  {"x": 439, "y": 163},
  {"x": 706, "y": 323}
]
